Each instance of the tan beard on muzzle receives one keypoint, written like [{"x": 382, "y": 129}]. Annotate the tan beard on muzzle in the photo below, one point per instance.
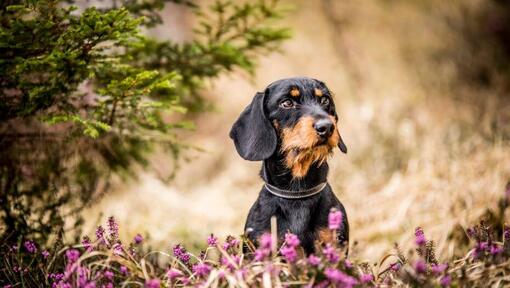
[{"x": 301, "y": 149}]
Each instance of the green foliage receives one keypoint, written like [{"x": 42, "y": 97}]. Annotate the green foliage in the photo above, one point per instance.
[{"x": 85, "y": 95}]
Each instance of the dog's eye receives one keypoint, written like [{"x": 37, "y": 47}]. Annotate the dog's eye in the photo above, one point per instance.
[
  {"x": 324, "y": 101},
  {"x": 287, "y": 104}
]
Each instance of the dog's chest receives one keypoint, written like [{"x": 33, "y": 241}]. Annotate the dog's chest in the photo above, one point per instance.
[{"x": 297, "y": 216}]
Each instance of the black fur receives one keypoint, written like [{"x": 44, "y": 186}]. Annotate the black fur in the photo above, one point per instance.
[{"x": 256, "y": 138}]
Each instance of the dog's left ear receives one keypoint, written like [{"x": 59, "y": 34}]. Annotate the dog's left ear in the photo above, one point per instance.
[
  {"x": 341, "y": 144},
  {"x": 253, "y": 134}
]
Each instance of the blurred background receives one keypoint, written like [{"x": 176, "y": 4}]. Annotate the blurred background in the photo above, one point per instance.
[{"x": 421, "y": 88}]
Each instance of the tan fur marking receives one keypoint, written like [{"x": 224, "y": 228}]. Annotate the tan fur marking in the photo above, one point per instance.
[
  {"x": 276, "y": 124},
  {"x": 294, "y": 92},
  {"x": 318, "y": 92},
  {"x": 299, "y": 144},
  {"x": 325, "y": 235}
]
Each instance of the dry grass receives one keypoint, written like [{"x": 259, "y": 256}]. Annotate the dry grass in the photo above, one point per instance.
[{"x": 420, "y": 152}]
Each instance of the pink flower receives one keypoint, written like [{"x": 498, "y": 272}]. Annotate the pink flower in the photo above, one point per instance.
[
  {"x": 420, "y": 237},
  {"x": 331, "y": 253},
  {"x": 231, "y": 263},
  {"x": 152, "y": 283},
  {"x": 347, "y": 264},
  {"x": 201, "y": 269},
  {"x": 506, "y": 233},
  {"x": 291, "y": 240},
  {"x": 340, "y": 278},
  {"x": 445, "y": 281},
  {"x": 439, "y": 268},
  {"x": 314, "y": 260},
  {"x": 181, "y": 253},
  {"x": 45, "y": 254},
  {"x": 366, "y": 278},
  {"x": 138, "y": 239},
  {"x": 266, "y": 241},
  {"x": 261, "y": 254},
  {"x": 72, "y": 255},
  {"x": 113, "y": 228},
  {"x": 118, "y": 249},
  {"x": 289, "y": 253},
  {"x": 496, "y": 250},
  {"x": 335, "y": 219},
  {"x": 173, "y": 273},
  {"x": 86, "y": 244},
  {"x": 124, "y": 270},
  {"x": 100, "y": 234},
  {"x": 420, "y": 267},
  {"x": 108, "y": 275},
  {"x": 30, "y": 246},
  {"x": 212, "y": 241},
  {"x": 395, "y": 266}
]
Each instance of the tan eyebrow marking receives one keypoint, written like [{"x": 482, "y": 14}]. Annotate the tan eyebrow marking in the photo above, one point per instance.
[
  {"x": 294, "y": 92},
  {"x": 318, "y": 92}
]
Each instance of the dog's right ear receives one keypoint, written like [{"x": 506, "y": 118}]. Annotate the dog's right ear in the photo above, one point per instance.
[{"x": 253, "y": 134}]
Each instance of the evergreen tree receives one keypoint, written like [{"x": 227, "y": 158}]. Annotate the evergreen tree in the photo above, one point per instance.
[{"x": 84, "y": 95}]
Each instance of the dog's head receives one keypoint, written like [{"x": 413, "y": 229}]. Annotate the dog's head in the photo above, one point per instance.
[{"x": 295, "y": 117}]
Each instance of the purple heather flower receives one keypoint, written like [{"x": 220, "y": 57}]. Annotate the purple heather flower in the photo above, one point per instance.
[
  {"x": 496, "y": 250},
  {"x": 45, "y": 254},
  {"x": 117, "y": 248},
  {"x": 113, "y": 228},
  {"x": 30, "y": 246},
  {"x": 100, "y": 234},
  {"x": 445, "y": 281},
  {"x": 395, "y": 266},
  {"x": 420, "y": 237},
  {"x": 173, "y": 273},
  {"x": 72, "y": 255},
  {"x": 331, "y": 253},
  {"x": 420, "y": 267},
  {"x": 138, "y": 239},
  {"x": 347, "y": 264},
  {"x": 212, "y": 241},
  {"x": 108, "y": 275},
  {"x": 335, "y": 219},
  {"x": 314, "y": 260},
  {"x": 230, "y": 264},
  {"x": 231, "y": 242},
  {"x": 152, "y": 283},
  {"x": 87, "y": 244},
  {"x": 124, "y": 270},
  {"x": 241, "y": 273},
  {"x": 181, "y": 253},
  {"x": 506, "y": 233},
  {"x": 470, "y": 232},
  {"x": 266, "y": 241},
  {"x": 261, "y": 254},
  {"x": 201, "y": 269},
  {"x": 291, "y": 240},
  {"x": 338, "y": 277},
  {"x": 289, "y": 253},
  {"x": 366, "y": 278},
  {"x": 439, "y": 268}
]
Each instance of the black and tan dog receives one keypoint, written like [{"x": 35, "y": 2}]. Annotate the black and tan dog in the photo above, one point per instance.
[{"x": 292, "y": 128}]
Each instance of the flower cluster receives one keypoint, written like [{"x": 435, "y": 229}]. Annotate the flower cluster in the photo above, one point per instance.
[{"x": 106, "y": 262}]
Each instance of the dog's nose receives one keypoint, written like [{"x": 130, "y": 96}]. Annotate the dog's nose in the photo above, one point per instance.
[{"x": 324, "y": 127}]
